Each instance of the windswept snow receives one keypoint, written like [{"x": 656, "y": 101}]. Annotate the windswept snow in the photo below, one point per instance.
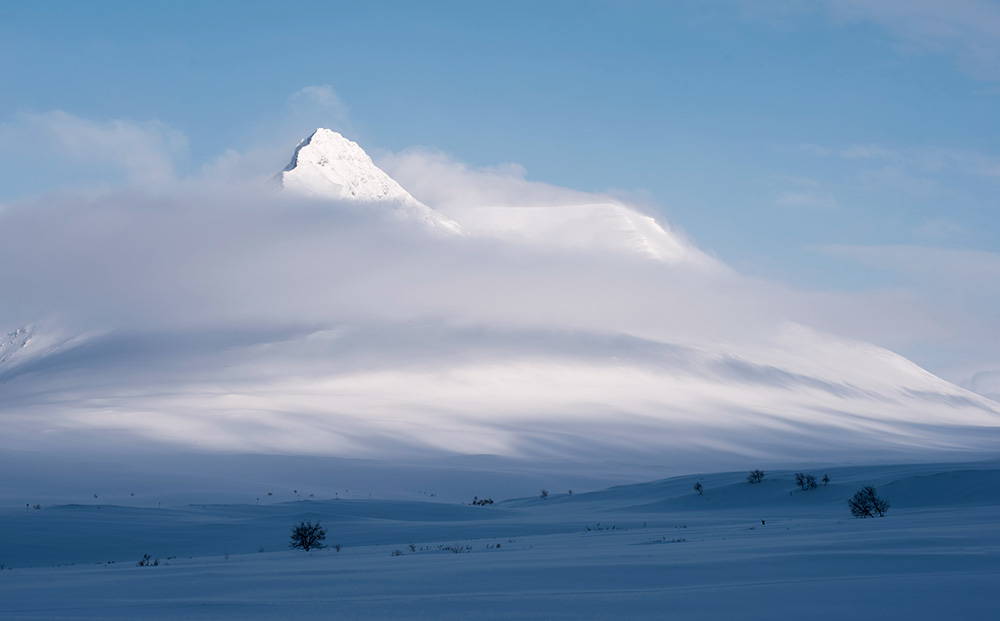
[
  {"x": 13, "y": 343},
  {"x": 603, "y": 227},
  {"x": 393, "y": 390}
]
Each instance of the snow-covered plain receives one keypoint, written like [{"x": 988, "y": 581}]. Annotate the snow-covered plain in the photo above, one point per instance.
[{"x": 651, "y": 550}]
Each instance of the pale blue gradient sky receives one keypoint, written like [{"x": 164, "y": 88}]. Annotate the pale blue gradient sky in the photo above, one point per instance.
[{"x": 781, "y": 136}]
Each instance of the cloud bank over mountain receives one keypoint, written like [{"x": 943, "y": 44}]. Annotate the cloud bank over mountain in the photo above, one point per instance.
[{"x": 548, "y": 323}]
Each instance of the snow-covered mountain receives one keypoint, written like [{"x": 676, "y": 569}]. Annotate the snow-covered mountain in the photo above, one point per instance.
[
  {"x": 328, "y": 165},
  {"x": 398, "y": 353}
]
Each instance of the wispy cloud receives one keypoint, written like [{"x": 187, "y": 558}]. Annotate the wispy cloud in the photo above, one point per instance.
[
  {"x": 141, "y": 152},
  {"x": 968, "y": 30},
  {"x": 931, "y": 160}
]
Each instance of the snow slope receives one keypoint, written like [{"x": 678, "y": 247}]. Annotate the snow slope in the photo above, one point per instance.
[
  {"x": 607, "y": 227},
  {"x": 629, "y": 552},
  {"x": 388, "y": 391}
]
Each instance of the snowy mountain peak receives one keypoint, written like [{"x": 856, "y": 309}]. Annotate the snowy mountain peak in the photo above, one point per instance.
[{"x": 328, "y": 165}]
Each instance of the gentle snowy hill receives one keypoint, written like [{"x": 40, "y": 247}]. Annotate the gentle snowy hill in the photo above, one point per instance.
[{"x": 98, "y": 530}]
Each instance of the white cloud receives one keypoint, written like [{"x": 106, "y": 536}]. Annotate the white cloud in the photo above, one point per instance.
[
  {"x": 439, "y": 180},
  {"x": 143, "y": 153},
  {"x": 920, "y": 160},
  {"x": 942, "y": 301}
]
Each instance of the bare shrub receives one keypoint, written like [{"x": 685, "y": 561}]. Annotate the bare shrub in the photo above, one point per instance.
[
  {"x": 698, "y": 487},
  {"x": 805, "y": 481},
  {"x": 148, "y": 561},
  {"x": 306, "y": 536},
  {"x": 866, "y": 503},
  {"x": 755, "y": 476}
]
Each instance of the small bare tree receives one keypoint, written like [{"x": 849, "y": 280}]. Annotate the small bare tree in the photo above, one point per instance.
[
  {"x": 866, "y": 503},
  {"x": 755, "y": 476},
  {"x": 805, "y": 481},
  {"x": 543, "y": 494},
  {"x": 306, "y": 536},
  {"x": 826, "y": 479},
  {"x": 698, "y": 487}
]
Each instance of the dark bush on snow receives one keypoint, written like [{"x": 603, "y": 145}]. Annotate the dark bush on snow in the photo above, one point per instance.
[
  {"x": 481, "y": 502},
  {"x": 148, "y": 561},
  {"x": 805, "y": 481},
  {"x": 755, "y": 476},
  {"x": 306, "y": 536},
  {"x": 698, "y": 487},
  {"x": 866, "y": 503}
]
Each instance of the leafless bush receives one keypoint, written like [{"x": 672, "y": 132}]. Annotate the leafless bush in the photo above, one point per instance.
[
  {"x": 306, "y": 536},
  {"x": 148, "y": 561},
  {"x": 866, "y": 503},
  {"x": 805, "y": 481},
  {"x": 755, "y": 476}
]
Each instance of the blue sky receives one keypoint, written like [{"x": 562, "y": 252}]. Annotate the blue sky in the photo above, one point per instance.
[{"x": 807, "y": 142}]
